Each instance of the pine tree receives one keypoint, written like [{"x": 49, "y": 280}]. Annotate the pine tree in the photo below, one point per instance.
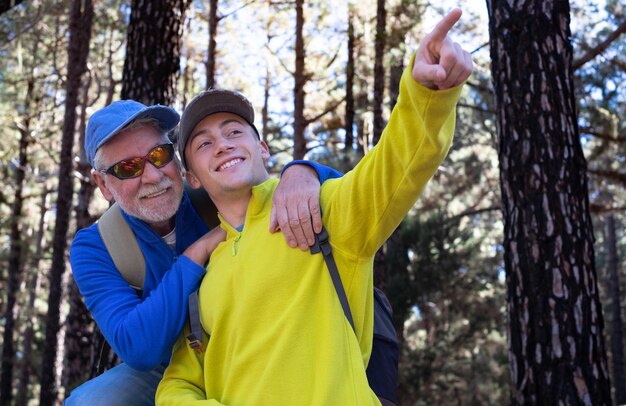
[{"x": 556, "y": 351}]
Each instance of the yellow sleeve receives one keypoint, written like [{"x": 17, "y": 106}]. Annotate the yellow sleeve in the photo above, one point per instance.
[
  {"x": 183, "y": 380},
  {"x": 369, "y": 202}
]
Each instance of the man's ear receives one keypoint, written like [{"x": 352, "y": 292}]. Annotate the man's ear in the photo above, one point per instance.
[
  {"x": 265, "y": 150},
  {"x": 99, "y": 179},
  {"x": 192, "y": 180}
]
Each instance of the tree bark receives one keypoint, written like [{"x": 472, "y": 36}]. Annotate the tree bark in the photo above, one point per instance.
[
  {"x": 617, "y": 326},
  {"x": 300, "y": 79},
  {"x": 210, "y": 60},
  {"x": 152, "y": 63},
  {"x": 362, "y": 129},
  {"x": 349, "y": 125},
  {"x": 556, "y": 345},
  {"x": 81, "y": 14},
  {"x": 379, "y": 71},
  {"x": 265, "y": 115}
]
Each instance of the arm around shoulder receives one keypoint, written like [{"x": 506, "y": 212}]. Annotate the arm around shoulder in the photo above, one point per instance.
[{"x": 127, "y": 321}]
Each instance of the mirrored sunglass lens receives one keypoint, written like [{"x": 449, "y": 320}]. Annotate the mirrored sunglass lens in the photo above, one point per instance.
[
  {"x": 129, "y": 168},
  {"x": 161, "y": 155}
]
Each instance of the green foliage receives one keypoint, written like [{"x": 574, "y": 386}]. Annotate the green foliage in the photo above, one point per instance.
[{"x": 449, "y": 298}]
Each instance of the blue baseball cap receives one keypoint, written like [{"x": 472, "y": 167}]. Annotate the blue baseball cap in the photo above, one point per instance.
[{"x": 110, "y": 120}]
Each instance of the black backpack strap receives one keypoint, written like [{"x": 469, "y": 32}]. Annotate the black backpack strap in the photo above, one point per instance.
[
  {"x": 383, "y": 327},
  {"x": 322, "y": 245}
]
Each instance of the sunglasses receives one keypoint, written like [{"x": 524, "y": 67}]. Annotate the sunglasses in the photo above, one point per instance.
[{"x": 158, "y": 156}]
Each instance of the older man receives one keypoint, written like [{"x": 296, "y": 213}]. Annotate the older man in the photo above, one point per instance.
[
  {"x": 134, "y": 164},
  {"x": 280, "y": 337}
]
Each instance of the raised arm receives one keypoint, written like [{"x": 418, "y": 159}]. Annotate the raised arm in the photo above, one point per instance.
[{"x": 373, "y": 198}]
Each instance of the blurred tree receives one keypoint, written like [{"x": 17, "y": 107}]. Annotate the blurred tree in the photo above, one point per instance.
[
  {"x": 379, "y": 70},
  {"x": 212, "y": 50},
  {"x": 349, "y": 119},
  {"x": 81, "y": 13},
  {"x": 29, "y": 314},
  {"x": 556, "y": 351},
  {"x": 300, "y": 78},
  {"x": 443, "y": 290},
  {"x": 6, "y": 5},
  {"x": 18, "y": 245},
  {"x": 79, "y": 326},
  {"x": 617, "y": 333}
]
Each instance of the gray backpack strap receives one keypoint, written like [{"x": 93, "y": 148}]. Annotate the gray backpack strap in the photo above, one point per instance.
[
  {"x": 122, "y": 245},
  {"x": 194, "y": 338}
]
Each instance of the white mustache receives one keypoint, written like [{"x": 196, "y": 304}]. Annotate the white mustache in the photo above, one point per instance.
[{"x": 148, "y": 190}]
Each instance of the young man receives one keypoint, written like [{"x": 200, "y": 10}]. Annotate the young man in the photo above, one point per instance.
[
  {"x": 278, "y": 334},
  {"x": 134, "y": 164}
]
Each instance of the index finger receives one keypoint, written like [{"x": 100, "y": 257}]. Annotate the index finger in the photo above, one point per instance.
[{"x": 445, "y": 25}]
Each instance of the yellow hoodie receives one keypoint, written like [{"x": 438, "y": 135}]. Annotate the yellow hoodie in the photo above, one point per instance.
[{"x": 278, "y": 333}]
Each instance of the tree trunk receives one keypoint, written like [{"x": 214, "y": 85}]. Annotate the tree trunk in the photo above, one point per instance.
[
  {"x": 29, "y": 317},
  {"x": 395, "y": 74},
  {"x": 6, "y": 5},
  {"x": 300, "y": 79},
  {"x": 379, "y": 71},
  {"x": 556, "y": 344},
  {"x": 266, "y": 102},
  {"x": 210, "y": 60},
  {"x": 187, "y": 78},
  {"x": 79, "y": 325},
  {"x": 152, "y": 63},
  {"x": 617, "y": 327},
  {"x": 362, "y": 129},
  {"x": 15, "y": 253},
  {"x": 78, "y": 48},
  {"x": 349, "y": 125}
]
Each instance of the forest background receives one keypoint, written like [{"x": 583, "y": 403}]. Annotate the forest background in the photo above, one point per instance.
[{"x": 324, "y": 77}]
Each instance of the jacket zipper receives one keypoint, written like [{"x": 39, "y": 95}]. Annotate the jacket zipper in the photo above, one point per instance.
[{"x": 236, "y": 244}]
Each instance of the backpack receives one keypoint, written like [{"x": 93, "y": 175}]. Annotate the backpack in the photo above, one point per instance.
[{"x": 382, "y": 370}]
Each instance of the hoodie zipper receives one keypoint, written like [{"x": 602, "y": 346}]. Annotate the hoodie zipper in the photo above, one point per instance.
[{"x": 236, "y": 244}]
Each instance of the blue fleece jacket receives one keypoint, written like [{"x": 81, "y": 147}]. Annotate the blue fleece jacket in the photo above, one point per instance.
[{"x": 142, "y": 330}]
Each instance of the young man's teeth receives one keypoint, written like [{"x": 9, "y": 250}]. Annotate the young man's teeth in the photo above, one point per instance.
[{"x": 230, "y": 163}]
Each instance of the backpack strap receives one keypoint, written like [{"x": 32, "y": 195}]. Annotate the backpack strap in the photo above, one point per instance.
[
  {"x": 121, "y": 243},
  {"x": 194, "y": 338},
  {"x": 383, "y": 327},
  {"x": 322, "y": 245}
]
